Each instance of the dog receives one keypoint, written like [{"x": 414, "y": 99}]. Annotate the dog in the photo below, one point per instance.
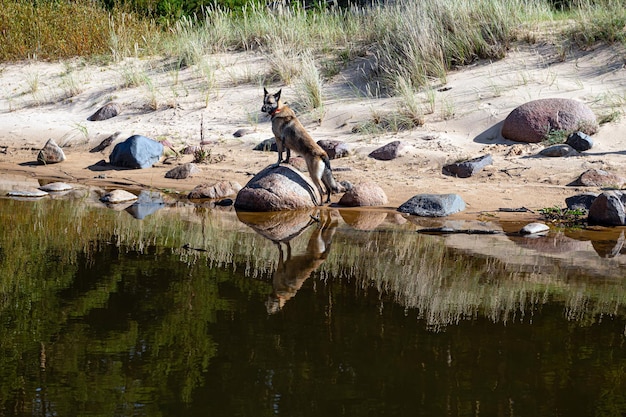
[{"x": 291, "y": 135}]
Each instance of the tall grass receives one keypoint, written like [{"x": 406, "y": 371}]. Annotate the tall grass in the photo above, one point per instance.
[
  {"x": 598, "y": 21},
  {"x": 422, "y": 41},
  {"x": 417, "y": 41}
]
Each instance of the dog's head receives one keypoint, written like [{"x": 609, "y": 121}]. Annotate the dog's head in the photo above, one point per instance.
[{"x": 271, "y": 102}]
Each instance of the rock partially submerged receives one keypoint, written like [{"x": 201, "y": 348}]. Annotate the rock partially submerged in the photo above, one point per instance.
[
  {"x": 56, "y": 187},
  {"x": 118, "y": 196},
  {"x": 535, "y": 228},
  {"x": 364, "y": 194},
  {"x": 27, "y": 193},
  {"x": 608, "y": 209},
  {"x": 217, "y": 190},
  {"x": 433, "y": 205}
]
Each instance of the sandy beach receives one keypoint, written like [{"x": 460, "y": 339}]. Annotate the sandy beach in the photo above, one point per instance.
[{"x": 463, "y": 117}]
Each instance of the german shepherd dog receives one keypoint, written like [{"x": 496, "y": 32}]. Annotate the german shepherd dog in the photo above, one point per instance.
[{"x": 291, "y": 135}]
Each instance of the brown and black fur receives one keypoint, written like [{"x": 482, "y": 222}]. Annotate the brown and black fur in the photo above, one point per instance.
[{"x": 291, "y": 135}]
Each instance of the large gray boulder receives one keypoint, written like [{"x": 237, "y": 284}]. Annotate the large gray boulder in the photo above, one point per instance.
[
  {"x": 136, "y": 152},
  {"x": 276, "y": 189},
  {"x": 433, "y": 205},
  {"x": 608, "y": 209},
  {"x": 533, "y": 121}
]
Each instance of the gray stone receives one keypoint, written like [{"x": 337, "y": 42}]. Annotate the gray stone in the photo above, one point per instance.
[
  {"x": 276, "y": 189},
  {"x": 105, "y": 112},
  {"x": 468, "y": 168},
  {"x": 534, "y": 229},
  {"x": 433, "y": 205},
  {"x": 51, "y": 153},
  {"x": 242, "y": 132},
  {"x": 136, "y": 152},
  {"x": 118, "y": 196},
  {"x": 557, "y": 151},
  {"x": 599, "y": 178},
  {"x": 220, "y": 189},
  {"x": 267, "y": 145},
  {"x": 28, "y": 193},
  {"x": 608, "y": 209},
  {"x": 580, "y": 201},
  {"x": 364, "y": 194},
  {"x": 182, "y": 171},
  {"x": 56, "y": 187},
  {"x": 389, "y": 151},
  {"x": 334, "y": 148},
  {"x": 533, "y": 121},
  {"x": 580, "y": 141}
]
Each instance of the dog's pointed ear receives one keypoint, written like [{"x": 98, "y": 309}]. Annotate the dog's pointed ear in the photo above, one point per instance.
[
  {"x": 265, "y": 91},
  {"x": 277, "y": 95}
]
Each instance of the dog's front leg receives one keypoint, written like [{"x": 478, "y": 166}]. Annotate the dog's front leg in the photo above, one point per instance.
[
  {"x": 279, "y": 146},
  {"x": 288, "y": 152}
]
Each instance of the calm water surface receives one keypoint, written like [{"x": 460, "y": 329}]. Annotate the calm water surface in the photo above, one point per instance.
[{"x": 193, "y": 311}]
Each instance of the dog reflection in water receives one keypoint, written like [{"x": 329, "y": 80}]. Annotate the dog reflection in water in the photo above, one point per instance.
[{"x": 292, "y": 271}]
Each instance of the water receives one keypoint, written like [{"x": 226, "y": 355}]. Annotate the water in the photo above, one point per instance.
[{"x": 195, "y": 311}]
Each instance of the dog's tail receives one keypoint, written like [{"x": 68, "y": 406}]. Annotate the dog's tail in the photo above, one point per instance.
[{"x": 327, "y": 176}]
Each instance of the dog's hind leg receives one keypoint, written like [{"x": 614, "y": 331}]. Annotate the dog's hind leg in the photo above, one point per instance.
[
  {"x": 328, "y": 179},
  {"x": 316, "y": 171}
]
